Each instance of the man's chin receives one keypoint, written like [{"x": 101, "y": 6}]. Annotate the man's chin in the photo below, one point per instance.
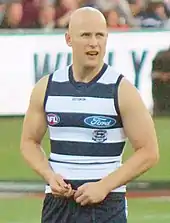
[{"x": 91, "y": 64}]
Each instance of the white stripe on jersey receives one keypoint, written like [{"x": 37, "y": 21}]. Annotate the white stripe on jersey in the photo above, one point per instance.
[
  {"x": 101, "y": 106},
  {"x": 84, "y": 159},
  {"x": 61, "y": 75},
  {"x": 84, "y": 172},
  {"x": 107, "y": 78},
  {"x": 76, "y": 134}
]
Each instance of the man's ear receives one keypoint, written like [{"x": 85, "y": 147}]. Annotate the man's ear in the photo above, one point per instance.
[{"x": 68, "y": 39}]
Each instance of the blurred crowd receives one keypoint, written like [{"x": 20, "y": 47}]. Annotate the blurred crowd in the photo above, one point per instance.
[{"x": 50, "y": 14}]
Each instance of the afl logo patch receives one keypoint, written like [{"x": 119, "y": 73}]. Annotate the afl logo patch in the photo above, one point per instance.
[{"x": 53, "y": 119}]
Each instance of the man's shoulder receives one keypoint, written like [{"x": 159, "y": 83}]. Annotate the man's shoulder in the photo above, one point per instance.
[
  {"x": 38, "y": 92},
  {"x": 43, "y": 81}
]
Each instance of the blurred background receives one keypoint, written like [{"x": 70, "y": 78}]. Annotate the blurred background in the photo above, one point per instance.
[
  {"x": 32, "y": 44},
  {"x": 51, "y": 14}
]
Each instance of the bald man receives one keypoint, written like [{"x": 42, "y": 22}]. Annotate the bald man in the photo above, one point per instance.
[{"x": 89, "y": 110}]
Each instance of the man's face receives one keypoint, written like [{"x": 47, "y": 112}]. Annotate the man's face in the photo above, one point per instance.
[{"x": 88, "y": 41}]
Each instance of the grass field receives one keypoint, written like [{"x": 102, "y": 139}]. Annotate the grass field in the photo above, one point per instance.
[
  {"x": 28, "y": 210},
  {"x": 12, "y": 165}
]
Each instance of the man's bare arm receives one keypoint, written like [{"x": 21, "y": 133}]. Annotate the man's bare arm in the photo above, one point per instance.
[
  {"x": 34, "y": 128},
  {"x": 140, "y": 130}
]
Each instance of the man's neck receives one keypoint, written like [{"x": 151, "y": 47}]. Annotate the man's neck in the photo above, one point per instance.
[{"x": 85, "y": 74}]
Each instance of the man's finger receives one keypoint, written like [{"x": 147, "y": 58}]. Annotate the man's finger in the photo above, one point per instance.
[
  {"x": 69, "y": 194},
  {"x": 81, "y": 198},
  {"x": 70, "y": 191},
  {"x": 78, "y": 193},
  {"x": 85, "y": 202},
  {"x": 58, "y": 189},
  {"x": 62, "y": 183},
  {"x": 82, "y": 187}
]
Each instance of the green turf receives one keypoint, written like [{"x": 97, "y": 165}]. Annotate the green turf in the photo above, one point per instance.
[
  {"x": 154, "y": 210},
  {"x": 12, "y": 165},
  {"x": 20, "y": 210},
  {"x": 28, "y": 210}
]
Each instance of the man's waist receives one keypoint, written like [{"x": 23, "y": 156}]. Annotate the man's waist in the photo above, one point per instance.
[{"x": 77, "y": 183}]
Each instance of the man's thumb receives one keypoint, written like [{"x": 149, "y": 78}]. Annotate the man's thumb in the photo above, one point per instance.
[{"x": 61, "y": 182}]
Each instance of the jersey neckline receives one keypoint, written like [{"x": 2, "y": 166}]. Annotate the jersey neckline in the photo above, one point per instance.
[{"x": 95, "y": 79}]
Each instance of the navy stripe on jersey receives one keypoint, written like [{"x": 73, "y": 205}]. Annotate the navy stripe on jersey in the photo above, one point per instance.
[
  {"x": 56, "y": 161},
  {"x": 87, "y": 148},
  {"x": 78, "y": 120},
  {"x": 98, "y": 90}
]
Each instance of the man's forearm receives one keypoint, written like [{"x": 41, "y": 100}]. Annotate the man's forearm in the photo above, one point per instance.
[
  {"x": 36, "y": 158},
  {"x": 139, "y": 163}
]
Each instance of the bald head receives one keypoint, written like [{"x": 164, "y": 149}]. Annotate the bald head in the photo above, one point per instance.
[
  {"x": 86, "y": 15},
  {"x": 87, "y": 35}
]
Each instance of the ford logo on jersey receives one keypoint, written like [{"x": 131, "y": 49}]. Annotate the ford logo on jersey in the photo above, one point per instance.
[{"x": 100, "y": 121}]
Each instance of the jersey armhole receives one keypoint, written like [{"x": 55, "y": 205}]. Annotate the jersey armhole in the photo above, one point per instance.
[
  {"x": 116, "y": 100},
  {"x": 47, "y": 90}
]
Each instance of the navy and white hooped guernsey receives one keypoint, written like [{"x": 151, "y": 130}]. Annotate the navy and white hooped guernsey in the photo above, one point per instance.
[{"x": 85, "y": 127}]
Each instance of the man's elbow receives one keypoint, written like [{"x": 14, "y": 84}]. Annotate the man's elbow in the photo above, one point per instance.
[
  {"x": 28, "y": 144},
  {"x": 153, "y": 157},
  {"x": 25, "y": 145}
]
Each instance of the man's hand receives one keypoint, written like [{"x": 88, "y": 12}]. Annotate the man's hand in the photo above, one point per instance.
[
  {"x": 59, "y": 187},
  {"x": 70, "y": 192},
  {"x": 90, "y": 193}
]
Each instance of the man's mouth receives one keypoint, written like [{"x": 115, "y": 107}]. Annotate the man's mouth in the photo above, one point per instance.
[{"x": 92, "y": 53}]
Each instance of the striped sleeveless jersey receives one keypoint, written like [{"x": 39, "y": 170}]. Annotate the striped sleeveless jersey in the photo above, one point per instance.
[{"x": 85, "y": 128}]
